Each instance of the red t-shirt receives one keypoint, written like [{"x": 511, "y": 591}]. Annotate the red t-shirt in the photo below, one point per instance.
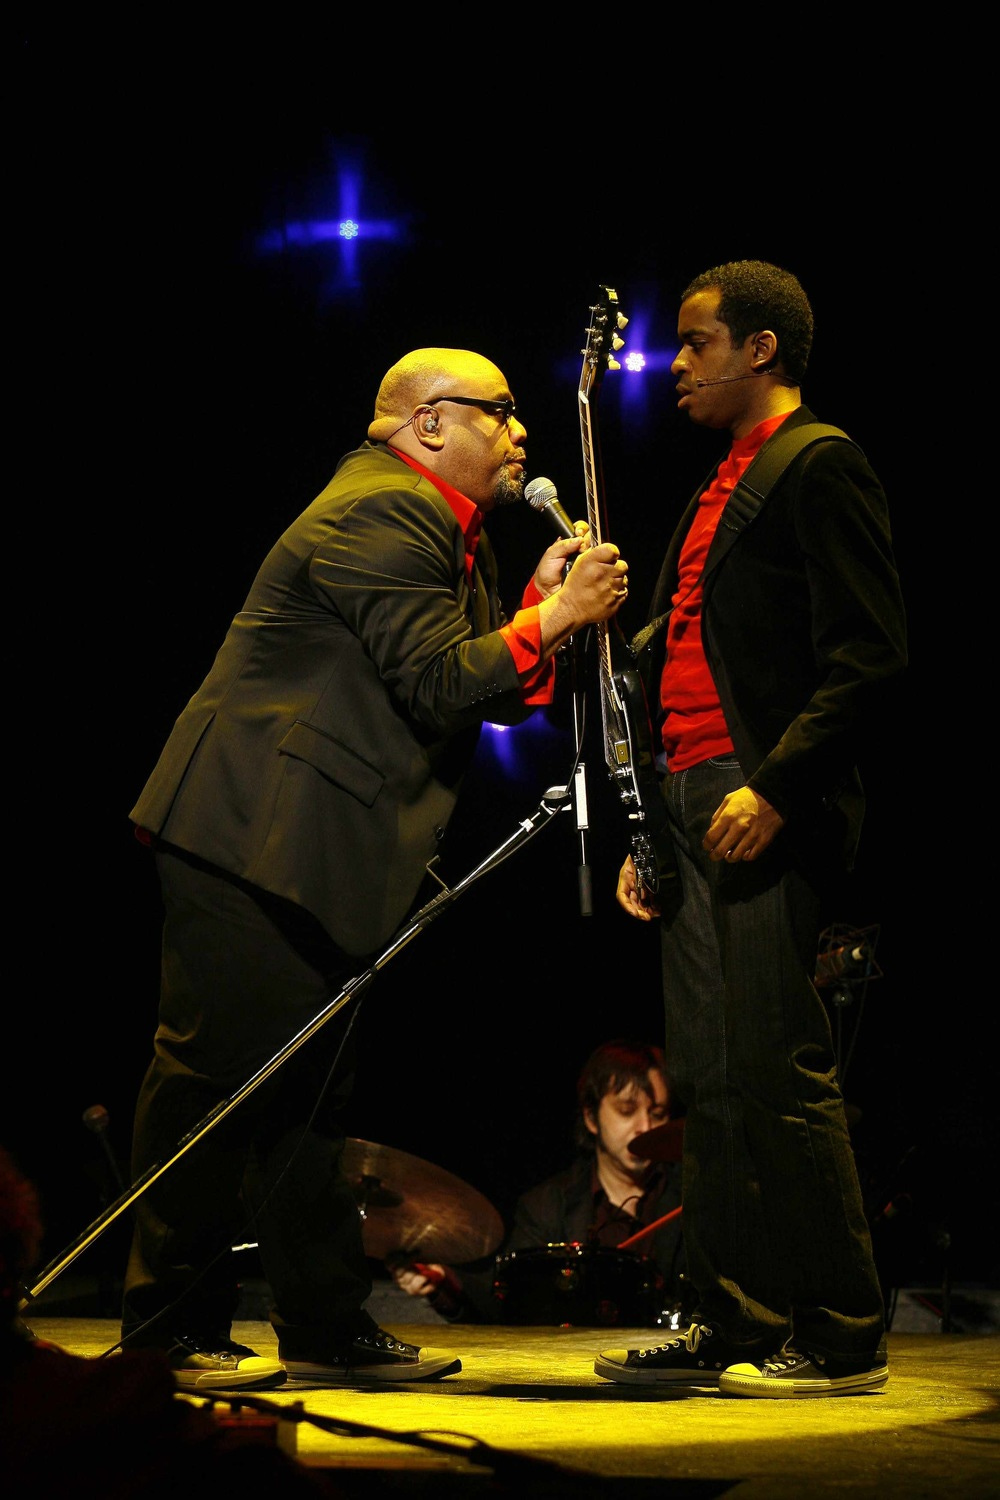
[{"x": 694, "y": 727}]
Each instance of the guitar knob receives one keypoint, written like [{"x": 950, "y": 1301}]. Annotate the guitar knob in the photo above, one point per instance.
[{"x": 617, "y": 343}]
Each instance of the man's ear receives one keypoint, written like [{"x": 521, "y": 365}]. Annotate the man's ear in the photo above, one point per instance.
[
  {"x": 763, "y": 349},
  {"x": 590, "y": 1120},
  {"x": 426, "y": 425}
]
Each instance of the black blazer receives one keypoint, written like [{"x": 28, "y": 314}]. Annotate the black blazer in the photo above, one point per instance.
[
  {"x": 804, "y": 629},
  {"x": 321, "y": 757}
]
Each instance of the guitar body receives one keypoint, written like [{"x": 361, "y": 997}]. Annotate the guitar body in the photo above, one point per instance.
[
  {"x": 628, "y": 737},
  {"x": 632, "y": 767}
]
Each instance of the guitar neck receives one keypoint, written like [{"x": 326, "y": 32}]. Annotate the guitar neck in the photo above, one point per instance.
[
  {"x": 591, "y": 474},
  {"x": 594, "y": 506},
  {"x": 624, "y": 712}
]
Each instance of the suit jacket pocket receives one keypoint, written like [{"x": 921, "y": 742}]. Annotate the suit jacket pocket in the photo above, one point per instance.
[{"x": 333, "y": 760}]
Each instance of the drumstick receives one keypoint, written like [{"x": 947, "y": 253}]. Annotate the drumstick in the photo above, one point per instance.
[{"x": 624, "y": 1244}]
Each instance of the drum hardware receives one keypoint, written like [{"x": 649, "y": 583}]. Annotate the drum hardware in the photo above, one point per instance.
[{"x": 576, "y": 1285}]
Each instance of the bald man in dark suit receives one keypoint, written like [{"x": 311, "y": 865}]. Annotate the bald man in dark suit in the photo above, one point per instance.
[{"x": 292, "y": 814}]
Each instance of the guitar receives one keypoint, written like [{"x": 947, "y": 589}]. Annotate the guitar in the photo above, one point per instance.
[{"x": 628, "y": 738}]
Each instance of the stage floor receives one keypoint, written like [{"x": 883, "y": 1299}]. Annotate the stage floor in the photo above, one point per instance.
[{"x": 527, "y": 1416}]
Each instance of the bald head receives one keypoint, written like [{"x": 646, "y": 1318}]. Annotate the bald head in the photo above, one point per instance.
[{"x": 424, "y": 373}]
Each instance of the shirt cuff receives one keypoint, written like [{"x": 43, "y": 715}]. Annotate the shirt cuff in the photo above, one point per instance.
[{"x": 523, "y": 636}]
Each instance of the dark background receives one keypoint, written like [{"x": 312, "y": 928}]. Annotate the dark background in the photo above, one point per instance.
[{"x": 190, "y": 370}]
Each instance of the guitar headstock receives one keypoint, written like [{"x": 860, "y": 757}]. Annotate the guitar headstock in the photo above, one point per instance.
[{"x": 604, "y": 340}]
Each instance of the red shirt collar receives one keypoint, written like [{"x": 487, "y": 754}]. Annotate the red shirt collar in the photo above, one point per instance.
[{"x": 468, "y": 515}]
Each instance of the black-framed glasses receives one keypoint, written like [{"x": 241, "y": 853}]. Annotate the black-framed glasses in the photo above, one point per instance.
[{"x": 505, "y": 409}]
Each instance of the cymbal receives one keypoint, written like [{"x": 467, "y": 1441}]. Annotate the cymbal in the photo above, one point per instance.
[
  {"x": 663, "y": 1143},
  {"x": 414, "y": 1210}
]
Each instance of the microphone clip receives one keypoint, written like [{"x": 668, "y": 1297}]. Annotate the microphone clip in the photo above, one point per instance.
[{"x": 846, "y": 957}]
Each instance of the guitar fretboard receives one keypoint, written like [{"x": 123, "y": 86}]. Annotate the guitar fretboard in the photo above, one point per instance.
[{"x": 616, "y": 747}]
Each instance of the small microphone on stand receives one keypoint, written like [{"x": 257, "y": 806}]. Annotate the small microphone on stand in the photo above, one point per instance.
[
  {"x": 838, "y": 965},
  {"x": 97, "y": 1120}
]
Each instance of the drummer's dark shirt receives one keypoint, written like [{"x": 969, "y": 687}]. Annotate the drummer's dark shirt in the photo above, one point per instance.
[{"x": 611, "y": 1224}]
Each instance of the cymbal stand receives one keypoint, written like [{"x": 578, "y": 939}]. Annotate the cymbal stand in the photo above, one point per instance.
[{"x": 557, "y": 799}]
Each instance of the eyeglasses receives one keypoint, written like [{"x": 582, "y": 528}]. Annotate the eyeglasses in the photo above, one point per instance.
[{"x": 504, "y": 409}]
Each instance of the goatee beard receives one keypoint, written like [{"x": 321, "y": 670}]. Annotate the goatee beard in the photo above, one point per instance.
[{"x": 509, "y": 490}]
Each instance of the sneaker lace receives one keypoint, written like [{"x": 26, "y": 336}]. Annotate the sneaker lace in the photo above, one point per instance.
[
  {"x": 788, "y": 1357},
  {"x": 386, "y": 1342},
  {"x": 691, "y": 1339},
  {"x": 216, "y": 1345},
  {"x": 694, "y": 1334}
]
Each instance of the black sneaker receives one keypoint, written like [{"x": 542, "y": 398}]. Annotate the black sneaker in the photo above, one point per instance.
[
  {"x": 697, "y": 1357},
  {"x": 369, "y": 1357},
  {"x": 221, "y": 1365},
  {"x": 792, "y": 1373}
]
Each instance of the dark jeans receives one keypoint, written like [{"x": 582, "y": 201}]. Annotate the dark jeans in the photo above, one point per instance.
[
  {"x": 776, "y": 1237},
  {"x": 242, "y": 974}
]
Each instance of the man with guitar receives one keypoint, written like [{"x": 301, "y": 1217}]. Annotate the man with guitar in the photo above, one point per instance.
[
  {"x": 776, "y": 633},
  {"x": 295, "y": 813}
]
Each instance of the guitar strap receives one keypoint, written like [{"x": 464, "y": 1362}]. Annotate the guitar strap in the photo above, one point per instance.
[{"x": 747, "y": 498}]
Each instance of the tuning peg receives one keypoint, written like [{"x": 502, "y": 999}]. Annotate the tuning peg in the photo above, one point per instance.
[
  {"x": 617, "y": 343},
  {"x": 613, "y": 364},
  {"x": 621, "y": 320}
]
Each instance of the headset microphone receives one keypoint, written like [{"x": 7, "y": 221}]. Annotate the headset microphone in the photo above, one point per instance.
[{"x": 728, "y": 379}]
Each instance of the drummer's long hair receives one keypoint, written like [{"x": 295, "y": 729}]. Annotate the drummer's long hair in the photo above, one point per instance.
[{"x": 610, "y": 1068}]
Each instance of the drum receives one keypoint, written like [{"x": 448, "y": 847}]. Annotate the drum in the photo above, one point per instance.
[{"x": 574, "y": 1285}]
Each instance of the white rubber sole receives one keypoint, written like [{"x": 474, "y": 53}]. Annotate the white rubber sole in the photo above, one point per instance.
[
  {"x": 251, "y": 1374},
  {"x": 748, "y": 1381},
  {"x": 432, "y": 1365},
  {"x": 649, "y": 1375}
]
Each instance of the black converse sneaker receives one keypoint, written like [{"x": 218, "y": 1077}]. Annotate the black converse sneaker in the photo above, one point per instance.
[
  {"x": 220, "y": 1365},
  {"x": 374, "y": 1356},
  {"x": 695, "y": 1358},
  {"x": 792, "y": 1373}
]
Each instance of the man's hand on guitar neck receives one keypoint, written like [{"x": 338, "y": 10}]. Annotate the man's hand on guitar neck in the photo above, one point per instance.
[
  {"x": 633, "y": 896},
  {"x": 556, "y": 561},
  {"x": 592, "y": 591}
]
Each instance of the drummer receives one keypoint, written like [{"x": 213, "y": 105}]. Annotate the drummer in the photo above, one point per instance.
[{"x": 606, "y": 1195}]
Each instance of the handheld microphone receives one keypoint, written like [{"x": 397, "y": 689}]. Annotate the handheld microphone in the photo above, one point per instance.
[{"x": 541, "y": 495}]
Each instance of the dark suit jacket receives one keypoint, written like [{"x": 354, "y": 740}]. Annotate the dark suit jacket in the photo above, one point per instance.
[
  {"x": 804, "y": 629},
  {"x": 321, "y": 757}
]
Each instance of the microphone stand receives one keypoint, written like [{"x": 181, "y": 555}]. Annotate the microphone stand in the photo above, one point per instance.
[
  {"x": 584, "y": 876},
  {"x": 555, "y": 800}
]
